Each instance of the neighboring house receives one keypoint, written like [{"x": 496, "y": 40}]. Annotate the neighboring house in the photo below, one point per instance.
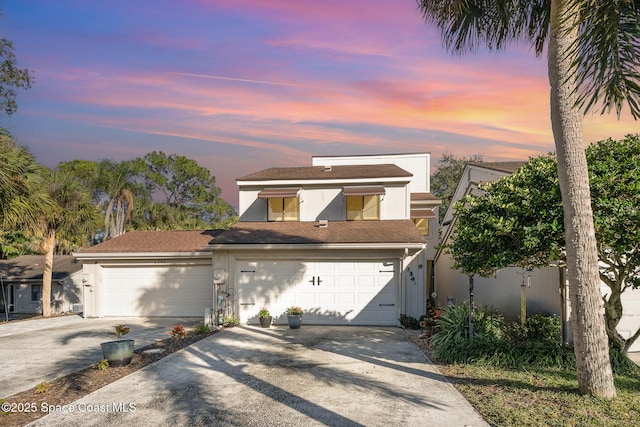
[
  {"x": 22, "y": 283},
  {"x": 349, "y": 239},
  {"x": 502, "y": 292},
  {"x": 547, "y": 293}
]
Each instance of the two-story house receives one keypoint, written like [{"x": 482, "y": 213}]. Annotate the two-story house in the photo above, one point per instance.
[
  {"x": 345, "y": 239},
  {"x": 350, "y": 239}
]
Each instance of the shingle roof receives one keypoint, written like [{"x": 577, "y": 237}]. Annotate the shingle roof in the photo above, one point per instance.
[
  {"x": 509, "y": 167},
  {"x": 390, "y": 231},
  {"x": 415, "y": 197},
  {"x": 156, "y": 241},
  {"x": 321, "y": 172},
  {"x": 31, "y": 267}
]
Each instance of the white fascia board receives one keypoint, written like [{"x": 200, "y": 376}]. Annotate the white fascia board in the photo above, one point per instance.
[
  {"x": 322, "y": 246},
  {"x": 140, "y": 255},
  {"x": 339, "y": 182}
]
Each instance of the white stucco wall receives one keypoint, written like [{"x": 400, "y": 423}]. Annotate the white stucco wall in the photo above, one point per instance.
[
  {"x": 327, "y": 202},
  {"x": 419, "y": 164}
]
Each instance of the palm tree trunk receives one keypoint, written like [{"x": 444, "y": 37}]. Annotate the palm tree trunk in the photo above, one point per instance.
[
  {"x": 590, "y": 339},
  {"x": 49, "y": 246}
]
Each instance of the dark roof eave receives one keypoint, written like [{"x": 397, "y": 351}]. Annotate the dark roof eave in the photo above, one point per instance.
[{"x": 326, "y": 246}]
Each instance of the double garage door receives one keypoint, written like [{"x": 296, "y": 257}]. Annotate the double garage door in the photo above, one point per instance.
[
  {"x": 157, "y": 290},
  {"x": 335, "y": 292}
]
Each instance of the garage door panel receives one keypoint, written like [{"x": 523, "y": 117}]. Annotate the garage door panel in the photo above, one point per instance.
[
  {"x": 157, "y": 291},
  {"x": 349, "y": 292}
]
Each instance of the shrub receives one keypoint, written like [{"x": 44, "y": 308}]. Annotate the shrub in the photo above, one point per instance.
[
  {"x": 534, "y": 344},
  {"x": 202, "y": 329},
  {"x": 294, "y": 311},
  {"x": 230, "y": 321},
  {"x": 621, "y": 364},
  {"x": 178, "y": 332},
  {"x": 409, "y": 322},
  {"x": 120, "y": 331},
  {"x": 264, "y": 312},
  {"x": 102, "y": 365},
  {"x": 429, "y": 320},
  {"x": 42, "y": 387}
]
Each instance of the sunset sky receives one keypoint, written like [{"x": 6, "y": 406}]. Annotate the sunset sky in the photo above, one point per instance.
[{"x": 243, "y": 85}]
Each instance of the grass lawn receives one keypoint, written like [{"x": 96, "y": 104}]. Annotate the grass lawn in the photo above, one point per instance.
[{"x": 542, "y": 397}]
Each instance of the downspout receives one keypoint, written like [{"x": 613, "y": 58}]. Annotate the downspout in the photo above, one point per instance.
[{"x": 401, "y": 281}]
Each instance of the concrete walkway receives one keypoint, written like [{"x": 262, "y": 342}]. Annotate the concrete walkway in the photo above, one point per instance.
[
  {"x": 39, "y": 350},
  {"x": 313, "y": 376}
]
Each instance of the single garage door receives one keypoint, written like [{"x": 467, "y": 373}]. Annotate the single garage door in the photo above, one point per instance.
[
  {"x": 330, "y": 292},
  {"x": 157, "y": 291}
]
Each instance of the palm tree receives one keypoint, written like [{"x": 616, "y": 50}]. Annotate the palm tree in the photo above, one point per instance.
[
  {"x": 115, "y": 181},
  {"x": 19, "y": 178},
  {"x": 72, "y": 214},
  {"x": 593, "y": 57}
]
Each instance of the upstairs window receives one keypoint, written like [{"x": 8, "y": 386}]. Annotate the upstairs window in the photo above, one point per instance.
[
  {"x": 284, "y": 209},
  {"x": 363, "y": 208},
  {"x": 283, "y": 204},
  {"x": 363, "y": 203}
]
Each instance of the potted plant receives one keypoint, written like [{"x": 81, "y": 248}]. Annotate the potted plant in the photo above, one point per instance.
[
  {"x": 265, "y": 317},
  {"x": 294, "y": 315},
  {"x": 120, "y": 352}
]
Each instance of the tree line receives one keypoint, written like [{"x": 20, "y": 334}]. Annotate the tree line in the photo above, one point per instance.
[{"x": 82, "y": 202}]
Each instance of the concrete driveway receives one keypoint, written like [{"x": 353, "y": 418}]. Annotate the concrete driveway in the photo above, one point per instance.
[
  {"x": 39, "y": 350},
  {"x": 248, "y": 376}
]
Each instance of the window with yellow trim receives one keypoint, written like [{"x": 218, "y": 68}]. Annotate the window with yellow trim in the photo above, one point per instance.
[
  {"x": 284, "y": 209},
  {"x": 423, "y": 225},
  {"x": 361, "y": 208}
]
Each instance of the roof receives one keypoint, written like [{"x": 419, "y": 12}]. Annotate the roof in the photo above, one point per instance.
[
  {"x": 156, "y": 241},
  {"x": 326, "y": 173},
  {"x": 31, "y": 267},
  {"x": 336, "y": 232},
  {"x": 416, "y": 197},
  {"x": 509, "y": 167}
]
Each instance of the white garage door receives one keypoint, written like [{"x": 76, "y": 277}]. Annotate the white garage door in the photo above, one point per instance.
[
  {"x": 329, "y": 292},
  {"x": 157, "y": 291}
]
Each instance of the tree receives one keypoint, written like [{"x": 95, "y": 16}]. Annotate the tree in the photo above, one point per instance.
[
  {"x": 71, "y": 216},
  {"x": 115, "y": 188},
  {"x": 614, "y": 170},
  {"x": 11, "y": 77},
  {"x": 518, "y": 221},
  {"x": 447, "y": 177},
  {"x": 592, "y": 57},
  {"x": 21, "y": 198},
  {"x": 189, "y": 191}
]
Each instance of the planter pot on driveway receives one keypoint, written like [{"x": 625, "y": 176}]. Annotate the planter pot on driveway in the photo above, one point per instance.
[
  {"x": 294, "y": 321},
  {"x": 118, "y": 353},
  {"x": 265, "y": 322}
]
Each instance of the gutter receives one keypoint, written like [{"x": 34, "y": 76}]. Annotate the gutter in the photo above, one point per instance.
[
  {"x": 87, "y": 256},
  {"x": 322, "y": 246}
]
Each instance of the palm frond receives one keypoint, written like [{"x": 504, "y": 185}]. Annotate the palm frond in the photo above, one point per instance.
[{"x": 607, "y": 62}]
